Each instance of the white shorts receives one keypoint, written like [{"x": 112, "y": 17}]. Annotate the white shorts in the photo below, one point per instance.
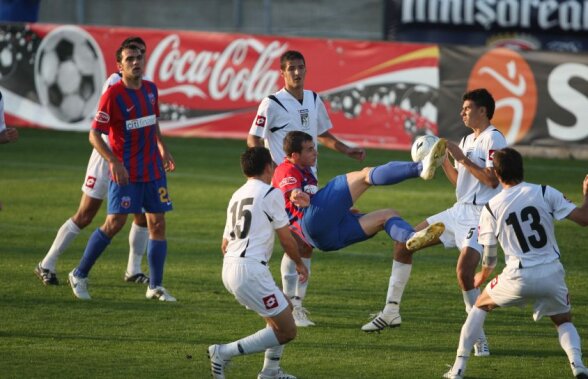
[
  {"x": 461, "y": 226},
  {"x": 253, "y": 286},
  {"x": 97, "y": 177},
  {"x": 544, "y": 285}
]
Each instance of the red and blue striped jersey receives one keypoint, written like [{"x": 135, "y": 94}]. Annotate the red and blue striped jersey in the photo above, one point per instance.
[
  {"x": 129, "y": 117},
  {"x": 288, "y": 177}
]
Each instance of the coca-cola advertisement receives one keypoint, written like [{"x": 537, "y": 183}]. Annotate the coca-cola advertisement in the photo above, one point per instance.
[{"x": 378, "y": 94}]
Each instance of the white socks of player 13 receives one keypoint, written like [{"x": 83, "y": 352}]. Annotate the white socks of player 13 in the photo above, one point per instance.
[
  {"x": 65, "y": 235},
  {"x": 255, "y": 343},
  {"x": 569, "y": 339},
  {"x": 138, "y": 239},
  {"x": 398, "y": 280},
  {"x": 469, "y": 299},
  {"x": 470, "y": 332},
  {"x": 290, "y": 283}
]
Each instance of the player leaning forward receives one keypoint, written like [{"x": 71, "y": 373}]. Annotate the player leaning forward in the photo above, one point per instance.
[
  {"x": 521, "y": 219},
  {"x": 137, "y": 158},
  {"x": 254, "y": 212}
]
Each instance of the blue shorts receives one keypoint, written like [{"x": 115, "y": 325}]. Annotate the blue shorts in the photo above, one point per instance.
[
  {"x": 327, "y": 222},
  {"x": 140, "y": 197}
]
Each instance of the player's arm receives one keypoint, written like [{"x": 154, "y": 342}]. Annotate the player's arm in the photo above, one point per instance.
[
  {"x": 254, "y": 141},
  {"x": 330, "y": 141},
  {"x": 119, "y": 173},
  {"x": 291, "y": 248},
  {"x": 449, "y": 169},
  {"x": 168, "y": 161},
  {"x": 489, "y": 260},
  {"x": 224, "y": 245},
  {"x": 8, "y": 135},
  {"x": 485, "y": 175},
  {"x": 580, "y": 214}
]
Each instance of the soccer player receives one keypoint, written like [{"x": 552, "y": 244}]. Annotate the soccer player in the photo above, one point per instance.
[
  {"x": 294, "y": 108},
  {"x": 94, "y": 191},
  {"x": 521, "y": 218},
  {"x": 138, "y": 158},
  {"x": 254, "y": 212},
  {"x": 475, "y": 182},
  {"x": 326, "y": 219}
]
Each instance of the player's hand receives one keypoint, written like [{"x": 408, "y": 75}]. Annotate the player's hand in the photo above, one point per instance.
[
  {"x": 8, "y": 135},
  {"x": 480, "y": 278},
  {"x": 455, "y": 151},
  {"x": 120, "y": 175},
  {"x": 300, "y": 198},
  {"x": 168, "y": 161},
  {"x": 357, "y": 153},
  {"x": 302, "y": 272},
  {"x": 585, "y": 186},
  {"x": 354, "y": 210}
]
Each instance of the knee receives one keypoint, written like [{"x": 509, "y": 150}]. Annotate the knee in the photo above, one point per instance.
[
  {"x": 286, "y": 335},
  {"x": 113, "y": 225},
  {"x": 465, "y": 278},
  {"x": 366, "y": 174},
  {"x": 140, "y": 220},
  {"x": 83, "y": 218},
  {"x": 157, "y": 229}
]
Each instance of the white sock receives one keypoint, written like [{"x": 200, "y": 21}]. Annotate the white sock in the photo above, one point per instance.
[
  {"x": 469, "y": 299},
  {"x": 271, "y": 362},
  {"x": 398, "y": 280},
  {"x": 255, "y": 343},
  {"x": 138, "y": 238},
  {"x": 470, "y": 332},
  {"x": 289, "y": 276},
  {"x": 569, "y": 339},
  {"x": 65, "y": 235},
  {"x": 302, "y": 287}
]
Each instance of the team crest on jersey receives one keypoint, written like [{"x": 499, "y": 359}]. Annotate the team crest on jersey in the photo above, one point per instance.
[
  {"x": 90, "y": 181},
  {"x": 311, "y": 189},
  {"x": 260, "y": 121},
  {"x": 270, "y": 301},
  {"x": 125, "y": 202},
  {"x": 304, "y": 119},
  {"x": 102, "y": 117},
  {"x": 494, "y": 282},
  {"x": 288, "y": 180},
  {"x": 151, "y": 98}
]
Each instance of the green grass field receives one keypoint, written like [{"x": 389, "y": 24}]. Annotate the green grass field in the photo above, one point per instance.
[{"x": 46, "y": 332}]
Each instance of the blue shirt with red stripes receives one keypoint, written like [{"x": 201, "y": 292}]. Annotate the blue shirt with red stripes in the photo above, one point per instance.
[
  {"x": 129, "y": 117},
  {"x": 288, "y": 177}
]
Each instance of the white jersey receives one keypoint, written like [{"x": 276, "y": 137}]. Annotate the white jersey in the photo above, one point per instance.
[
  {"x": 469, "y": 190},
  {"x": 2, "y": 121},
  {"x": 254, "y": 211},
  {"x": 281, "y": 113},
  {"x": 521, "y": 219}
]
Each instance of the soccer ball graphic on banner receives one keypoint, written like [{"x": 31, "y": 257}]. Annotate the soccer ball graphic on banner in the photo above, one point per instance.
[
  {"x": 69, "y": 72},
  {"x": 421, "y": 146}
]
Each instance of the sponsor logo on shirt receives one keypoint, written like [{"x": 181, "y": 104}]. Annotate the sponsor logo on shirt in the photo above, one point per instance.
[
  {"x": 491, "y": 155},
  {"x": 90, "y": 181},
  {"x": 260, "y": 121},
  {"x": 270, "y": 301},
  {"x": 494, "y": 282},
  {"x": 138, "y": 123},
  {"x": 102, "y": 117},
  {"x": 304, "y": 120},
  {"x": 288, "y": 180}
]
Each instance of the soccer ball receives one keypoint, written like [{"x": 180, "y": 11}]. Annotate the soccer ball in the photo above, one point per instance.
[
  {"x": 69, "y": 72},
  {"x": 421, "y": 147}
]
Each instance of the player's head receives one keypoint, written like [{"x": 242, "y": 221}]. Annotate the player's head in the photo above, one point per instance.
[
  {"x": 482, "y": 98},
  {"x": 255, "y": 160},
  {"x": 290, "y": 55},
  {"x": 508, "y": 165},
  {"x": 130, "y": 62},
  {"x": 294, "y": 142},
  {"x": 136, "y": 42},
  {"x": 293, "y": 70}
]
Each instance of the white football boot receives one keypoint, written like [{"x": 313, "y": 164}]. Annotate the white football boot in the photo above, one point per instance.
[
  {"x": 382, "y": 320},
  {"x": 301, "y": 317},
  {"x": 280, "y": 374},
  {"x": 481, "y": 348},
  {"x": 217, "y": 362},
  {"x": 79, "y": 286},
  {"x": 434, "y": 159},
  {"x": 159, "y": 293}
]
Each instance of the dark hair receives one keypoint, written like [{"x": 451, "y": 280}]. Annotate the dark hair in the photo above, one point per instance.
[
  {"x": 122, "y": 48},
  {"x": 254, "y": 160},
  {"x": 294, "y": 140},
  {"x": 482, "y": 98},
  {"x": 134, "y": 41},
  {"x": 508, "y": 165},
  {"x": 290, "y": 55}
]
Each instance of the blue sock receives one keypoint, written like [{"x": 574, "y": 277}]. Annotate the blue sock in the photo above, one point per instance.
[
  {"x": 394, "y": 172},
  {"x": 96, "y": 245},
  {"x": 156, "y": 253},
  {"x": 398, "y": 229}
]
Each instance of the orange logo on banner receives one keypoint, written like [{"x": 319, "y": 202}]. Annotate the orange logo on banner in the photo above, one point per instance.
[{"x": 508, "y": 77}]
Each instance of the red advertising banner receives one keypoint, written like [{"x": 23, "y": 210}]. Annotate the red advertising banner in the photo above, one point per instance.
[{"x": 378, "y": 94}]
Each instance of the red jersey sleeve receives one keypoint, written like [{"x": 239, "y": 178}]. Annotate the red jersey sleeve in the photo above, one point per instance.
[
  {"x": 101, "y": 121},
  {"x": 286, "y": 178}
]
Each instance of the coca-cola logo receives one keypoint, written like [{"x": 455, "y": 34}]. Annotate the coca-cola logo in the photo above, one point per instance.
[
  {"x": 241, "y": 71},
  {"x": 509, "y": 78}
]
